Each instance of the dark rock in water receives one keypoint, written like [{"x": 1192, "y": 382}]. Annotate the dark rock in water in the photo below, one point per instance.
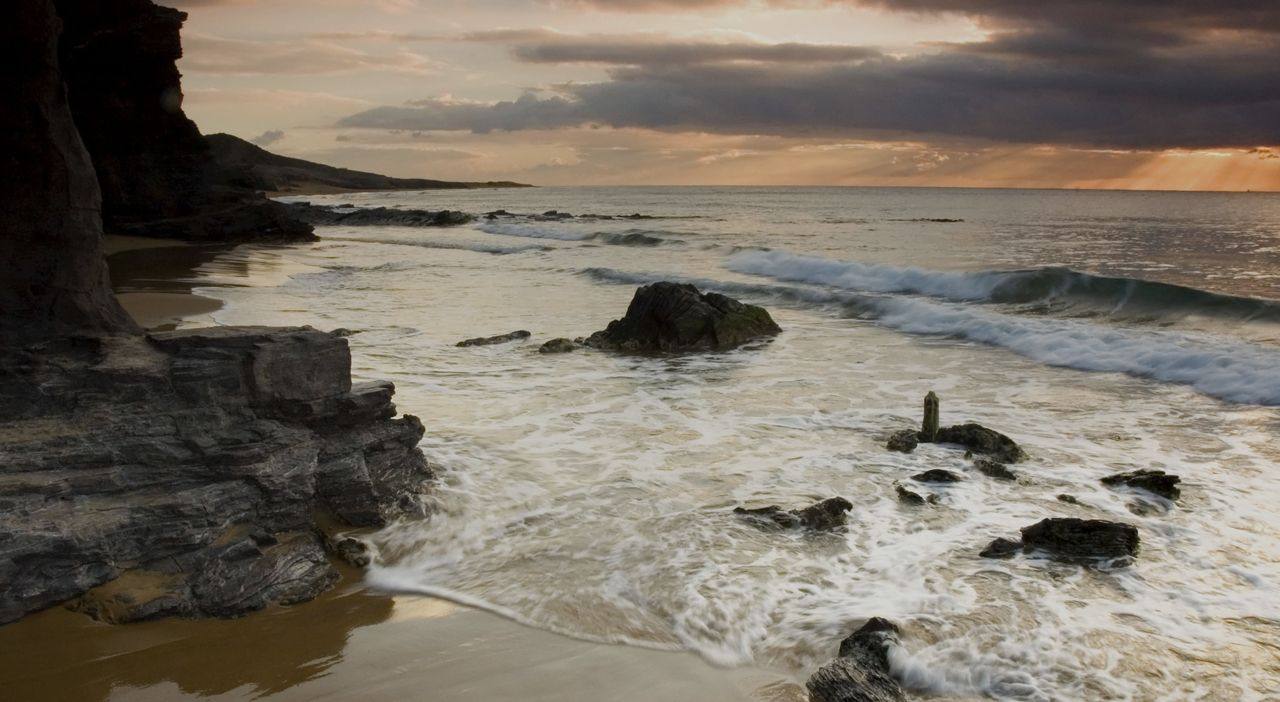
[
  {"x": 376, "y": 216},
  {"x": 1081, "y": 540},
  {"x": 992, "y": 469},
  {"x": 913, "y": 498},
  {"x": 903, "y": 441},
  {"x": 555, "y": 214},
  {"x": 560, "y": 345},
  {"x": 157, "y": 173},
  {"x": 936, "y": 475},
  {"x": 1069, "y": 499},
  {"x": 825, "y": 515},
  {"x": 674, "y": 317},
  {"x": 1156, "y": 482},
  {"x": 197, "y": 460},
  {"x": 343, "y": 332},
  {"x": 1001, "y": 548},
  {"x": 861, "y": 672},
  {"x": 498, "y": 213},
  {"x": 499, "y": 339},
  {"x": 980, "y": 439}
]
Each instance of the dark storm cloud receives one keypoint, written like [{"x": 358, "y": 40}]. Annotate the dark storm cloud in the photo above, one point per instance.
[{"x": 1134, "y": 74}]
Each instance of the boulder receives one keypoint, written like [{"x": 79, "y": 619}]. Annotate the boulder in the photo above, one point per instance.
[
  {"x": 982, "y": 440},
  {"x": 499, "y": 339},
  {"x": 993, "y": 469},
  {"x": 936, "y": 475},
  {"x": 1156, "y": 482},
  {"x": 675, "y": 317},
  {"x": 861, "y": 671},
  {"x": 903, "y": 441},
  {"x": 1081, "y": 540},
  {"x": 560, "y": 345},
  {"x": 822, "y": 516}
]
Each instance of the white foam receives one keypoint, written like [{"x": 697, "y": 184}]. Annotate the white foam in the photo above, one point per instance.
[{"x": 866, "y": 277}]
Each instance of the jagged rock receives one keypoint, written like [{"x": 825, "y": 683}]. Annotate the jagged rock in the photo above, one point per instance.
[
  {"x": 674, "y": 317},
  {"x": 560, "y": 345},
  {"x": 500, "y": 339},
  {"x": 980, "y": 439},
  {"x": 376, "y": 216},
  {"x": 156, "y": 172},
  {"x": 936, "y": 475},
  {"x": 1156, "y": 482},
  {"x": 1001, "y": 548},
  {"x": 913, "y": 498},
  {"x": 903, "y": 441},
  {"x": 1081, "y": 540},
  {"x": 822, "y": 516},
  {"x": 861, "y": 672},
  {"x": 200, "y": 455},
  {"x": 992, "y": 469}
]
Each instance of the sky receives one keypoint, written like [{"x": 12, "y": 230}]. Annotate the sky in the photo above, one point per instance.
[{"x": 1128, "y": 94}]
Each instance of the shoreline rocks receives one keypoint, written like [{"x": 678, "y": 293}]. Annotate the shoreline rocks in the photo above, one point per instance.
[
  {"x": 823, "y": 516},
  {"x": 375, "y": 216},
  {"x": 560, "y": 345},
  {"x": 674, "y": 317},
  {"x": 936, "y": 475},
  {"x": 1156, "y": 482},
  {"x": 974, "y": 437},
  {"x": 518, "y": 335},
  {"x": 860, "y": 673}
]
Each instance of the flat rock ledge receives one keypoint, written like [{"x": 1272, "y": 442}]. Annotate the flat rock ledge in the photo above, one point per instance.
[
  {"x": 675, "y": 318},
  {"x": 861, "y": 672},
  {"x": 192, "y": 473}
]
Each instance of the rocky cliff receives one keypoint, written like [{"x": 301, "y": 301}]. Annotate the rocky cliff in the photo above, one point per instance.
[
  {"x": 200, "y": 472},
  {"x": 157, "y": 173}
]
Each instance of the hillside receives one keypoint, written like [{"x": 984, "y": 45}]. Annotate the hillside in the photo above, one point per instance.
[{"x": 282, "y": 175}]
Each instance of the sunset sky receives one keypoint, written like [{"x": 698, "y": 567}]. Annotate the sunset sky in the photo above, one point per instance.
[{"x": 1154, "y": 94}]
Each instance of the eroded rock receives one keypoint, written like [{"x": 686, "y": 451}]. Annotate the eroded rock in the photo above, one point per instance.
[
  {"x": 675, "y": 317},
  {"x": 375, "y": 216},
  {"x": 822, "y": 516},
  {"x": 982, "y": 440},
  {"x": 861, "y": 671}
]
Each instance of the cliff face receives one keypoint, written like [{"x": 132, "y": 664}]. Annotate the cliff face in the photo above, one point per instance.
[
  {"x": 157, "y": 174},
  {"x": 52, "y": 275},
  {"x": 196, "y": 473}
]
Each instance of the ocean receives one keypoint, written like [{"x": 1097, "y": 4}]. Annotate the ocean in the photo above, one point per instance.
[{"x": 591, "y": 494}]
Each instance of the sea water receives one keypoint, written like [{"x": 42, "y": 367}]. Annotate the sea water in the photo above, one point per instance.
[{"x": 592, "y": 494}]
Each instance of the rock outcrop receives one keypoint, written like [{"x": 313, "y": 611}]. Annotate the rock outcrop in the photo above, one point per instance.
[
  {"x": 53, "y": 278},
  {"x": 861, "y": 671},
  {"x": 1156, "y": 482},
  {"x": 675, "y": 317},
  {"x": 156, "y": 172},
  {"x": 822, "y": 516},
  {"x": 1071, "y": 540},
  {"x": 982, "y": 440},
  {"x": 375, "y": 216},
  {"x": 196, "y": 463}
]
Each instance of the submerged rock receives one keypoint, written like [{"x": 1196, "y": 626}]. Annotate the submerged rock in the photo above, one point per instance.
[
  {"x": 560, "y": 345},
  {"x": 1069, "y": 499},
  {"x": 825, "y": 515},
  {"x": 903, "y": 441},
  {"x": 913, "y": 498},
  {"x": 936, "y": 475},
  {"x": 1001, "y": 548},
  {"x": 861, "y": 671},
  {"x": 674, "y": 317},
  {"x": 980, "y": 439},
  {"x": 499, "y": 339},
  {"x": 1156, "y": 482},
  {"x": 992, "y": 469}
]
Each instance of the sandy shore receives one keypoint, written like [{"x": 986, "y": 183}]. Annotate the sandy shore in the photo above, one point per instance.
[{"x": 349, "y": 644}]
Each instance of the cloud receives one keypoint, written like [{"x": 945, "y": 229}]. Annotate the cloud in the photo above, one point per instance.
[
  {"x": 654, "y": 51},
  {"x": 268, "y": 137},
  {"x": 209, "y": 54}
]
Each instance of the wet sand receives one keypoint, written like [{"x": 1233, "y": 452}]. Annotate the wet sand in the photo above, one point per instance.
[{"x": 351, "y": 643}]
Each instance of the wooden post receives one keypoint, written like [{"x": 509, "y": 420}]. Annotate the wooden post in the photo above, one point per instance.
[{"x": 929, "y": 428}]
